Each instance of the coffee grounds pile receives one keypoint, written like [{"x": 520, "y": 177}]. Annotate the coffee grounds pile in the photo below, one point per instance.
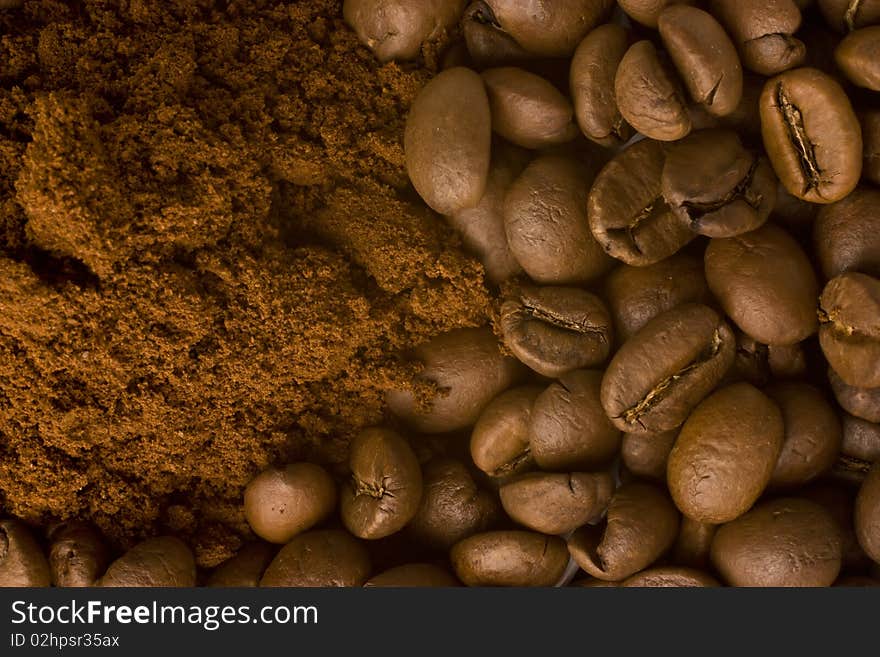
[{"x": 209, "y": 256}]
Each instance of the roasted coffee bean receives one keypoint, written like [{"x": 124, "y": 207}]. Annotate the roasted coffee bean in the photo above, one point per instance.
[
  {"x": 861, "y": 402},
  {"x": 645, "y": 454},
  {"x": 591, "y": 83},
  {"x": 568, "y": 429},
  {"x": 549, "y": 29},
  {"x": 447, "y": 141},
  {"x": 785, "y": 542},
  {"x": 413, "y": 575},
  {"x": 704, "y": 56},
  {"x": 467, "y": 368},
  {"x": 716, "y": 186},
  {"x": 725, "y": 454},
  {"x": 556, "y": 503},
  {"x": 627, "y": 213},
  {"x": 545, "y": 220},
  {"x": 453, "y": 507},
  {"x": 482, "y": 227},
  {"x": 762, "y": 31},
  {"x": 765, "y": 283},
  {"x": 693, "y": 544},
  {"x": 670, "y": 577},
  {"x": 813, "y": 434},
  {"x": 636, "y": 295},
  {"x": 758, "y": 363},
  {"x": 385, "y": 488},
  {"x": 849, "y": 331},
  {"x": 840, "y": 501},
  {"x": 486, "y": 43},
  {"x": 649, "y": 95},
  {"x": 847, "y": 234},
  {"x": 811, "y": 135},
  {"x": 245, "y": 569},
  {"x": 857, "y": 56},
  {"x": 870, "y": 124},
  {"x": 647, "y": 12},
  {"x": 867, "y": 514},
  {"x": 163, "y": 561},
  {"x": 500, "y": 439},
  {"x": 510, "y": 558},
  {"x": 319, "y": 558},
  {"x": 22, "y": 562},
  {"x": 527, "y": 110},
  {"x": 78, "y": 555},
  {"x": 860, "y": 448},
  {"x": 667, "y": 368},
  {"x": 280, "y": 503},
  {"x": 849, "y": 15},
  {"x": 555, "y": 330},
  {"x": 640, "y": 526},
  {"x": 396, "y": 29}
]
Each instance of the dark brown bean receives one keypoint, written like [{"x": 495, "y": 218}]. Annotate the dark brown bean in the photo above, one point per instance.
[
  {"x": 245, "y": 569},
  {"x": 657, "y": 377},
  {"x": 487, "y": 44},
  {"x": 763, "y": 32},
  {"x": 840, "y": 501},
  {"x": 22, "y": 562},
  {"x": 861, "y": 402},
  {"x": 555, "y": 330},
  {"x": 319, "y": 558},
  {"x": 867, "y": 514},
  {"x": 848, "y": 15},
  {"x": 645, "y": 454},
  {"x": 385, "y": 488},
  {"x": 500, "y": 439},
  {"x": 758, "y": 363},
  {"x": 647, "y": 12},
  {"x": 510, "y": 558},
  {"x": 725, "y": 454},
  {"x": 669, "y": 577},
  {"x": 857, "y": 56},
  {"x": 870, "y": 124},
  {"x": 693, "y": 543},
  {"x": 846, "y": 234},
  {"x": 78, "y": 555},
  {"x": 163, "y": 561}
]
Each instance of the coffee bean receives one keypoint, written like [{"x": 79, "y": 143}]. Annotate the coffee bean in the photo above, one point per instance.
[
  {"x": 758, "y": 363},
  {"x": 77, "y": 554},
  {"x": 396, "y": 29},
  {"x": 870, "y": 124},
  {"x": 704, "y": 56},
  {"x": 671, "y": 577},
  {"x": 245, "y": 569},
  {"x": 555, "y": 330},
  {"x": 765, "y": 283},
  {"x": 568, "y": 428},
  {"x": 280, "y": 503},
  {"x": 487, "y": 44},
  {"x": 413, "y": 575},
  {"x": 813, "y": 434},
  {"x": 447, "y": 141},
  {"x": 500, "y": 439},
  {"x": 545, "y": 221},
  {"x": 725, "y": 454},
  {"x": 319, "y": 558},
  {"x": 811, "y": 135},
  {"x": 849, "y": 330},
  {"x": 857, "y": 57},
  {"x": 649, "y": 95},
  {"x": 636, "y": 295},
  {"x": 716, "y": 186},
  {"x": 385, "y": 488},
  {"x": 163, "y": 561},
  {"x": 453, "y": 507},
  {"x": 785, "y": 542},
  {"x": 647, "y": 12},
  {"x": 466, "y": 369},
  {"x": 482, "y": 227},
  {"x": 693, "y": 543},
  {"x": 849, "y": 15},
  {"x": 645, "y": 454},
  {"x": 867, "y": 514},
  {"x": 667, "y": 368},
  {"x": 762, "y": 31},
  {"x": 840, "y": 501},
  {"x": 591, "y": 81},
  {"x": 556, "y": 503},
  {"x": 861, "y": 402},
  {"x": 553, "y": 29},
  {"x": 22, "y": 562},
  {"x": 860, "y": 448},
  {"x": 640, "y": 526},
  {"x": 510, "y": 558},
  {"x": 627, "y": 213},
  {"x": 527, "y": 110},
  {"x": 847, "y": 234}
]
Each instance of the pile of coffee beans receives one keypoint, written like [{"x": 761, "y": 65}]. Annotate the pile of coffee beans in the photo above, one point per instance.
[{"x": 675, "y": 204}]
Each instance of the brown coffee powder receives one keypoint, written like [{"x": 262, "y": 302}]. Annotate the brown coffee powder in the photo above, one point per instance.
[{"x": 208, "y": 256}]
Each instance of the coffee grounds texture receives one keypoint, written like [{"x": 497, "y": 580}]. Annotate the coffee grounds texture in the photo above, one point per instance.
[{"x": 210, "y": 257}]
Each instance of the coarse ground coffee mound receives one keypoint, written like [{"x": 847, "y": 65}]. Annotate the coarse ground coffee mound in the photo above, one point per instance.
[{"x": 208, "y": 256}]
